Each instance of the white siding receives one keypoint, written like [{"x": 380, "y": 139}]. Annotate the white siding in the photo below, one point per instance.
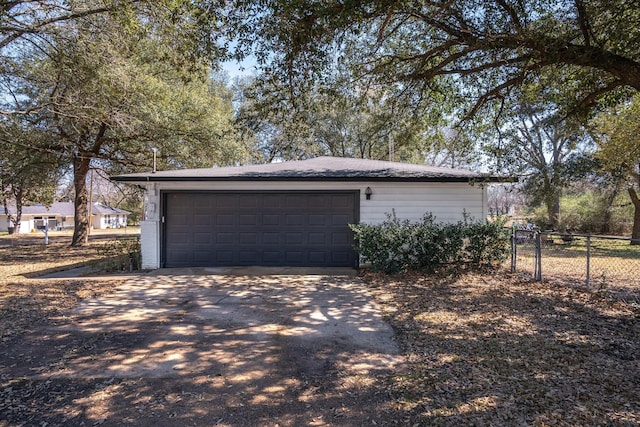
[
  {"x": 150, "y": 244},
  {"x": 409, "y": 200},
  {"x": 26, "y": 224},
  {"x": 446, "y": 201}
]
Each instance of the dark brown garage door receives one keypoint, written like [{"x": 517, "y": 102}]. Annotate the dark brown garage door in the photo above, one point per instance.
[{"x": 204, "y": 229}]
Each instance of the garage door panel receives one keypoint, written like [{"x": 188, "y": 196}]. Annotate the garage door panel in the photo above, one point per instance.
[
  {"x": 318, "y": 220},
  {"x": 250, "y": 219},
  {"x": 225, "y": 238},
  {"x": 248, "y": 238},
  {"x": 295, "y": 257},
  {"x": 202, "y": 238},
  {"x": 202, "y": 219},
  {"x": 319, "y": 202},
  {"x": 340, "y": 257},
  {"x": 223, "y": 258},
  {"x": 317, "y": 238},
  {"x": 248, "y": 257},
  {"x": 179, "y": 238},
  {"x": 200, "y": 203},
  {"x": 179, "y": 219},
  {"x": 247, "y": 201},
  {"x": 271, "y": 257},
  {"x": 340, "y": 238},
  {"x": 341, "y": 202},
  {"x": 318, "y": 258},
  {"x": 225, "y": 229},
  {"x": 271, "y": 219},
  {"x": 295, "y": 219},
  {"x": 202, "y": 256},
  {"x": 272, "y": 201},
  {"x": 225, "y": 202},
  {"x": 340, "y": 219},
  {"x": 222, "y": 219},
  {"x": 294, "y": 238},
  {"x": 295, "y": 201},
  {"x": 271, "y": 238}
]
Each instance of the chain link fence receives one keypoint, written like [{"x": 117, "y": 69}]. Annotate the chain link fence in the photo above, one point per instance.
[{"x": 601, "y": 263}]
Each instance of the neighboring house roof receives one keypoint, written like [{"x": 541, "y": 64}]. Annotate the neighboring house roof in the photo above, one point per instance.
[
  {"x": 317, "y": 169},
  {"x": 99, "y": 208},
  {"x": 63, "y": 209}
]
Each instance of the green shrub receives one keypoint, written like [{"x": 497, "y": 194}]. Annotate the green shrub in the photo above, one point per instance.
[
  {"x": 586, "y": 213},
  {"x": 394, "y": 245}
]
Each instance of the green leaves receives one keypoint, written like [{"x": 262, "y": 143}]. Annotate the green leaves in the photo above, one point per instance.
[
  {"x": 107, "y": 87},
  {"x": 396, "y": 245},
  {"x": 486, "y": 50}
]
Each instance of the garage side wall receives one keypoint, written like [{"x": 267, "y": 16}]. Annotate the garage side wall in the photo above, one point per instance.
[{"x": 409, "y": 200}]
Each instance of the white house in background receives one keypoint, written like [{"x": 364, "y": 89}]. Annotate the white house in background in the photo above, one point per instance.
[
  {"x": 60, "y": 215},
  {"x": 291, "y": 213}
]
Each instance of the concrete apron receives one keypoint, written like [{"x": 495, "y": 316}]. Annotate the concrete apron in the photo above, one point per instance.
[{"x": 242, "y": 324}]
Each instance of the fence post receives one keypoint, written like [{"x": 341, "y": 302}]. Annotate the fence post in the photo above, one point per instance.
[
  {"x": 588, "y": 260},
  {"x": 514, "y": 248},
  {"x": 537, "y": 271}
]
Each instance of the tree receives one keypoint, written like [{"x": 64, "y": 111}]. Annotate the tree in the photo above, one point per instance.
[
  {"x": 537, "y": 145},
  {"x": 619, "y": 151},
  {"x": 26, "y": 18},
  {"x": 345, "y": 118},
  {"x": 26, "y": 175},
  {"x": 485, "y": 49},
  {"x": 104, "y": 91}
]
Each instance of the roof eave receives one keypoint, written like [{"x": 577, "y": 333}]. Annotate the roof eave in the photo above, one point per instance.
[{"x": 469, "y": 179}]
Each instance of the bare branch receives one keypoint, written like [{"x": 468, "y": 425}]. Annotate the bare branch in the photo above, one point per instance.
[{"x": 515, "y": 19}]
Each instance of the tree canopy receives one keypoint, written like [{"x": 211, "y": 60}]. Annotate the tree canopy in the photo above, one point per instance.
[
  {"x": 486, "y": 49},
  {"x": 109, "y": 87},
  {"x": 619, "y": 150}
]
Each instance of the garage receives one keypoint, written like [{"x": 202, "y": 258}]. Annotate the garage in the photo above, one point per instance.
[
  {"x": 291, "y": 213},
  {"x": 218, "y": 228}
]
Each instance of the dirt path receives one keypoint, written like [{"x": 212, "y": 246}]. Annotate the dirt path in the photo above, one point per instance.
[{"x": 178, "y": 349}]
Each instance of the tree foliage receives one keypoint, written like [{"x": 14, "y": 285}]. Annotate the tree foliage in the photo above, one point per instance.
[
  {"x": 619, "y": 150},
  {"x": 543, "y": 149},
  {"x": 108, "y": 89},
  {"x": 485, "y": 49},
  {"x": 27, "y": 175},
  {"x": 342, "y": 117}
]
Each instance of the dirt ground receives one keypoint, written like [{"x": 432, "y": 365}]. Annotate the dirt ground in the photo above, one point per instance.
[
  {"x": 499, "y": 349},
  {"x": 481, "y": 349},
  {"x": 177, "y": 350}
]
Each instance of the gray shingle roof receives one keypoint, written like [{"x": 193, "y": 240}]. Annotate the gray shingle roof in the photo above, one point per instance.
[
  {"x": 316, "y": 169},
  {"x": 64, "y": 209}
]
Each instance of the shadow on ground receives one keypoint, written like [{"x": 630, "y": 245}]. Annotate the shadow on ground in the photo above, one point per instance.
[{"x": 181, "y": 349}]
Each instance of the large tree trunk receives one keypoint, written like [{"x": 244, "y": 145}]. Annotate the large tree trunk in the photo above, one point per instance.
[
  {"x": 17, "y": 196},
  {"x": 18, "y": 218},
  {"x": 13, "y": 220},
  {"x": 635, "y": 233},
  {"x": 81, "y": 164},
  {"x": 552, "y": 203}
]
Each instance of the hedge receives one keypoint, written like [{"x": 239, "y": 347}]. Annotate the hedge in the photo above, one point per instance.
[{"x": 395, "y": 246}]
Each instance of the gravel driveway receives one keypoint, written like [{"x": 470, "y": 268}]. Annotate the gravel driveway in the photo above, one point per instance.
[{"x": 211, "y": 347}]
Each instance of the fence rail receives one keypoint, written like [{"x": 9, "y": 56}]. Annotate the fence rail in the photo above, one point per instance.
[{"x": 603, "y": 261}]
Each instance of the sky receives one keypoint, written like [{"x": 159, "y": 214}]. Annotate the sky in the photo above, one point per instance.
[{"x": 242, "y": 69}]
